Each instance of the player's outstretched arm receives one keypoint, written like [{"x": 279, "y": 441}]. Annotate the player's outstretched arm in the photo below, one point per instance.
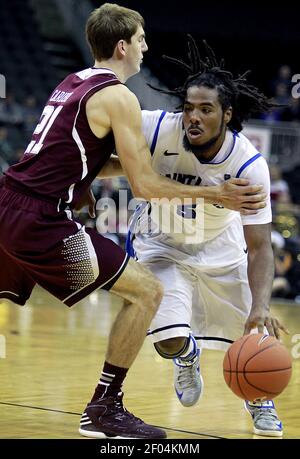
[
  {"x": 120, "y": 110},
  {"x": 260, "y": 275},
  {"x": 112, "y": 168}
]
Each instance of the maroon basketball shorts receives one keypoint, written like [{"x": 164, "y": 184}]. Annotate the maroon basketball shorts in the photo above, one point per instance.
[{"x": 39, "y": 244}]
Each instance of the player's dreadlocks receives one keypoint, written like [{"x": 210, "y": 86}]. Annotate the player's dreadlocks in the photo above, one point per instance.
[{"x": 244, "y": 98}]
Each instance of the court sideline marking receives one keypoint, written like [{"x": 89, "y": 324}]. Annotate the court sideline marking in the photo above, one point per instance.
[{"x": 79, "y": 414}]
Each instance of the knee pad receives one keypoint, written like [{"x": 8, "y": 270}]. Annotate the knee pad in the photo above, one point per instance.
[{"x": 166, "y": 355}]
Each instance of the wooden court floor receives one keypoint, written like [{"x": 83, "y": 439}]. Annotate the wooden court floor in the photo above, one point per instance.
[{"x": 53, "y": 357}]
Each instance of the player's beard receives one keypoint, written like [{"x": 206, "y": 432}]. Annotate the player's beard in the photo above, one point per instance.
[{"x": 200, "y": 150}]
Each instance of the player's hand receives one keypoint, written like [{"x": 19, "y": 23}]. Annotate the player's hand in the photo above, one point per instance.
[
  {"x": 87, "y": 199},
  {"x": 262, "y": 318},
  {"x": 237, "y": 194}
]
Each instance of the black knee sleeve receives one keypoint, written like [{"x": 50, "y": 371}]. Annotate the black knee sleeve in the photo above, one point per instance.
[{"x": 165, "y": 355}]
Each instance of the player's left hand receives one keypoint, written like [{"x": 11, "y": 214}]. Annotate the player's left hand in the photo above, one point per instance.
[
  {"x": 260, "y": 320},
  {"x": 87, "y": 199}
]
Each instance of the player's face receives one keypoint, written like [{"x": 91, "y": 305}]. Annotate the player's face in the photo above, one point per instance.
[
  {"x": 203, "y": 117},
  {"x": 202, "y": 114},
  {"x": 135, "y": 51}
]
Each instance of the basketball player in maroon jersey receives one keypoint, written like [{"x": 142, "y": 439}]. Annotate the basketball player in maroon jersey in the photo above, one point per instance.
[{"x": 88, "y": 115}]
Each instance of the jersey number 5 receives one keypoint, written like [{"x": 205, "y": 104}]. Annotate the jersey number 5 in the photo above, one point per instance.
[{"x": 187, "y": 211}]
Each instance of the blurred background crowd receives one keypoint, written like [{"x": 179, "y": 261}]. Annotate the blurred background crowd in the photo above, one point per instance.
[{"x": 42, "y": 41}]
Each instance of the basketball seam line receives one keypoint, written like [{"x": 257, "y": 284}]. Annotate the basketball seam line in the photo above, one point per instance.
[
  {"x": 256, "y": 371},
  {"x": 260, "y": 388},
  {"x": 260, "y": 351},
  {"x": 237, "y": 365}
]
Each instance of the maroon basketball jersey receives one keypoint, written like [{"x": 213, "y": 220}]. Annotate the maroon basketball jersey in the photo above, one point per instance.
[{"x": 64, "y": 156}]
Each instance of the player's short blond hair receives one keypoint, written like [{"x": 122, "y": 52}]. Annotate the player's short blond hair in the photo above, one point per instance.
[{"x": 109, "y": 24}]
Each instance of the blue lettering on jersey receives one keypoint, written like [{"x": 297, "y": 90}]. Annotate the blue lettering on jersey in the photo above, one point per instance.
[{"x": 186, "y": 179}]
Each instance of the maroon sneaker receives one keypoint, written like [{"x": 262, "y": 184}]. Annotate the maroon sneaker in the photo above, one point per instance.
[{"x": 107, "y": 418}]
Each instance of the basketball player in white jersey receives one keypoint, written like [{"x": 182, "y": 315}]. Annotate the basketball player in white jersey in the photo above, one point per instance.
[{"x": 217, "y": 280}]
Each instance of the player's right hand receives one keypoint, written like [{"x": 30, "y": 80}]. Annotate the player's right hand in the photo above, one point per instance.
[
  {"x": 260, "y": 319},
  {"x": 237, "y": 194}
]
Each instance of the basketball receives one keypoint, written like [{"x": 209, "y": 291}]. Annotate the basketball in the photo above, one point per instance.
[{"x": 257, "y": 367}]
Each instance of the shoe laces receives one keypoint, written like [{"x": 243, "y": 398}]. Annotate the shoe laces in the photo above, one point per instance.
[
  {"x": 119, "y": 403},
  {"x": 265, "y": 414},
  {"x": 124, "y": 412},
  {"x": 186, "y": 375}
]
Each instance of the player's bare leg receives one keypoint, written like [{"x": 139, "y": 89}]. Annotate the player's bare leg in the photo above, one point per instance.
[
  {"x": 142, "y": 293},
  {"x": 105, "y": 416}
]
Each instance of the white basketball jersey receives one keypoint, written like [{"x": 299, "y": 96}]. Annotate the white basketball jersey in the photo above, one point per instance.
[{"x": 237, "y": 157}]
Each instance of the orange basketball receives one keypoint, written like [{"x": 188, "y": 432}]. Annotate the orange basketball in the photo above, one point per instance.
[{"x": 257, "y": 367}]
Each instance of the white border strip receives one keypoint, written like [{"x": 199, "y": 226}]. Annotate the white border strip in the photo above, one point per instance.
[{"x": 12, "y": 293}]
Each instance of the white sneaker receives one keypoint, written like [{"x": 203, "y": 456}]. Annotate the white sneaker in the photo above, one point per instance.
[
  {"x": 188, "y": 381},
  {"x": 265, "y": 419}
]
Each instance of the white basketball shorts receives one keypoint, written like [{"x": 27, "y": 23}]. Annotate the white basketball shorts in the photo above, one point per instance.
[{"x": 206, "y": 292}]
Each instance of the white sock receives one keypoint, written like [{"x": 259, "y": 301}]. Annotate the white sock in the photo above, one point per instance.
[{"x": 191, "y": 351}]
